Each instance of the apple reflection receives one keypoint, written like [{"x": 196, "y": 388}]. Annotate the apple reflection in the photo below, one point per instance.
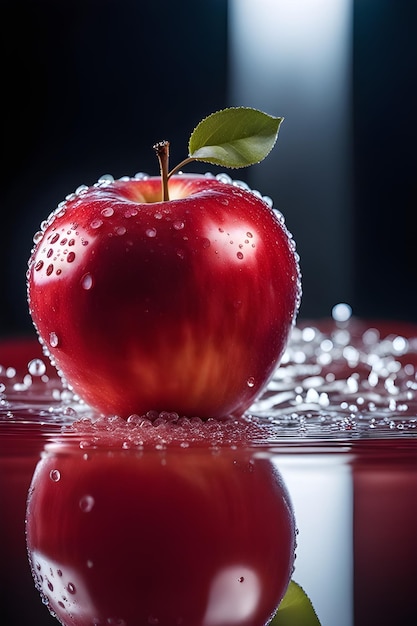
[{"x": 192, "y": 536}]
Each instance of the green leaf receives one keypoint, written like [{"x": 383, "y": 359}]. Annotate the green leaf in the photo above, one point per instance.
[
  {"x": 295, "y": 609},
  {"x": 234, "y": 137}
]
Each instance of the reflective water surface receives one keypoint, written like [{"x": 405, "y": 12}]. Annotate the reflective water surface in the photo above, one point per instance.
[{"x": 339, "y": 420}]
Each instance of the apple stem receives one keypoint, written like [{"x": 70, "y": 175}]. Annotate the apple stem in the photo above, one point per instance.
[{"x": 162, "y": 152}]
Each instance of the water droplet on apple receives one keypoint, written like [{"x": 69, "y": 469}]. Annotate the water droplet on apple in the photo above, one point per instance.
[
  {"x": 55, "y": 475},
  {"x": 87, "y": 281},
  {"x": 49, "y": 269},
  {"x": 249, "y": 234},
  {"x": 178, "y": 225},
  {"x": 180, "y": 253},
  {"x": 86, "y": 503},
  {"x": 120, "y": 230},
  {"x": 250, "y": 382},
  {"x": 158, "y": 215},
  {"x": 107, "y": 212},
  {"x": 150, "y": 232},
  {"x": 54, "y": 238},
  {"x": 53, "y": 340},
  {"x": 104, "y": 180},
  {"x": 37, "y": 236},
  {"x": 71, "y": 257},
  {"x": 38, "y": 266},
  {"x": 96, "y": 223},
  {"x": 131, "y": 212},
  {"x": 205, "y": 242},
  {"x": 71, "y": 588},
  {"x": 224, "y": 178},
  {"x": 239, "y": 255},
  {"x": 36, "y": 367}
]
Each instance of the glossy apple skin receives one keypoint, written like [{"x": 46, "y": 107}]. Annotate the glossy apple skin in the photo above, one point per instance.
[
  {"x": 186, "y": 537},
  {"x": 182, "y": 306}
]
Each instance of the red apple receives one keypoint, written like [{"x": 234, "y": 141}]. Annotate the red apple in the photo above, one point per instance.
[
  {"x": 190, "y": 537},
  {"x": 184, "y": 304}
]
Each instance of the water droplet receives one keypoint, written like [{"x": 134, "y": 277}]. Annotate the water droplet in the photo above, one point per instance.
[
  {"x": 180, "y": 253},
  {"x": 241, "y": 579},
  {"x": 178, "y": 225},
  {"x": 105, "y": 179},
  {"x": 71, "y": 257},
  {"x": 205, "y": 242},
  {"x": 84, "y": 242},
  {"x": 341, "y": 312},
  {"x": 107, "y": 212},
  {"x": 87, "y": 281},
  {"x": 239, "y": 255},
  {"x": 54, "y": 238},
  {"x": 36, "y": 367},
  {"x": 71, "y": 242},
  {"x": 49, "y": 253},
  {"x": 37, "y": 236},
  {"x": 158, "y": 215},
  {"x": 49, "y": 269},
  {"x": 131, "y": 212},
  {"x": 53, "y": 340},
  {"x": 150, "y": 232},
  {"x": 38, "y": 266},
  {"x": 55, "y": 475},
  {"x": 96, "y": 223},
  {"x": 63, "y": 241},
  {"x": 86, "y": 503},
  {"x": 249, "y": 234},
  {"x": 71, "y": 588},
  {"x": 250, "y": 382},
  {"x": 120, "y": 230}
]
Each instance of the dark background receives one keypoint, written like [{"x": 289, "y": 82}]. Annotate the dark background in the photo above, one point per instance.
[{"x": 88, "y": 86}]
